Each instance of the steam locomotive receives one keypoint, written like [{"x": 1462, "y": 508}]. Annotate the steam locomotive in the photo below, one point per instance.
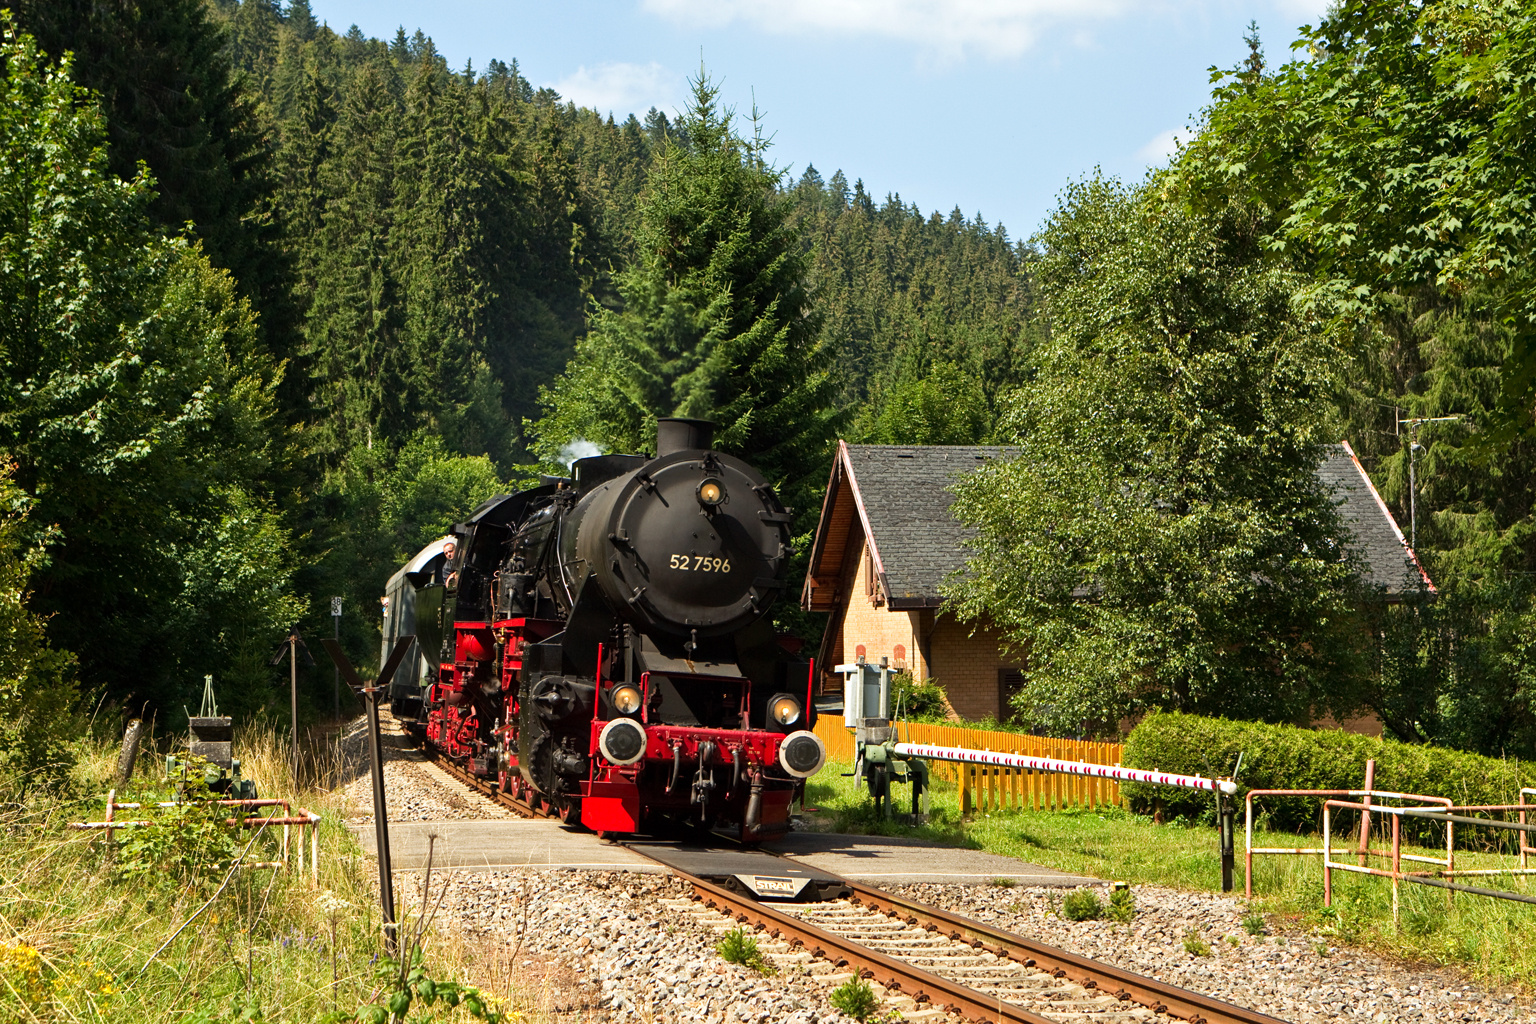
[{"x": 600, "y": 645}]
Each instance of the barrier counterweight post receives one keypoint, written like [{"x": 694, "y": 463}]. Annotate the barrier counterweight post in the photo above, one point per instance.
[{"x": 371, "y": 696}]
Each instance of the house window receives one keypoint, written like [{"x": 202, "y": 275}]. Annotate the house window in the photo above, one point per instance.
[
  {"x": 1009, "y": 682},
  {"x": 900, "y": 657}
]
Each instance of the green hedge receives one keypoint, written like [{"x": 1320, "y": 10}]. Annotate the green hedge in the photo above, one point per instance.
[{"x": 1287, "y": 757}]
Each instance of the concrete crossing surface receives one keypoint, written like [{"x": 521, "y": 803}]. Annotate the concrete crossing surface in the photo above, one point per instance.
[{"x": 545, "y": 844}]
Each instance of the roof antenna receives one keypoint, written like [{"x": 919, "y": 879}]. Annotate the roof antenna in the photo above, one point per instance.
[
  {"x": 1413, "y": 453},
  {"x": 210, "y": 706}
]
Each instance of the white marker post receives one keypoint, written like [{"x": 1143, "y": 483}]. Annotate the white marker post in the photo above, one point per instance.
[{"x": 336, "y": 672}]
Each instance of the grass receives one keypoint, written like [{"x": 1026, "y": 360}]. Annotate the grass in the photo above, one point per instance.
[
  {"x": 737, "y": 947},
  {"x": 1485, "y": 937},
  {"x": 1194, "y": 944},
  {"x": 78, "y": 943},
  {"x": 1081, "y": 905},
  {"x": 856, "y": 998}
]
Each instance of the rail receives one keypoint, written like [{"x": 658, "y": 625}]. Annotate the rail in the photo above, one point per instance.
[
  {"x": 493, "y": 792},
  {"x": 921, "y": 985},
  {"x": 926, "y": 987},
  {"x": 1159, "y": 996}
]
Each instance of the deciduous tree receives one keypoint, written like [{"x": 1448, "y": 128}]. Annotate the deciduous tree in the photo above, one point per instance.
[{"x": 1161, "y": 539}]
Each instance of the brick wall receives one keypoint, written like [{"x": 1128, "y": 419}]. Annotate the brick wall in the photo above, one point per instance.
[
  {"x": 878, "y": 629},
  {"x": 933, "y": 645},
  {"x": 967, "y": 665}
]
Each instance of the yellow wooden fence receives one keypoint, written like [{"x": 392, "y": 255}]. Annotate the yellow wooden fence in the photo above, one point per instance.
[{"x": 987, "y": 788}]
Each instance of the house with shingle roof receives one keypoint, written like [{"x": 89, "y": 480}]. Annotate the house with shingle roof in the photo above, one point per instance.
[{"x": 887, "y": 541}]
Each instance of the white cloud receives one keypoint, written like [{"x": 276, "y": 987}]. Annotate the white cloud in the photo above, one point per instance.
[
  {"x": 1308, "y": 12},
  {"x": 621, "y": 88},
  {"x": 996, "y": 28},
  {"x": 1163, "y": 145}
]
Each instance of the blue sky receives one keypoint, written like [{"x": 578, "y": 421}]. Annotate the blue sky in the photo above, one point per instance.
[{"x": 989, "y": 105}]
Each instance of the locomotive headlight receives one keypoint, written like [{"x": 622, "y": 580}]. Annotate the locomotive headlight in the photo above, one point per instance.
[
  {"x": 626, "y": 700},
  {"x": 711, "y": 492},
  {"x": 785, "y": 710}
]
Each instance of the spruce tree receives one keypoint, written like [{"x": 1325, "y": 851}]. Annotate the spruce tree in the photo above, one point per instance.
[
  {"x": 172, "y": 101},
  {"x": 301, "y": 20},
  {"x": 361, "y": 368},
  {"x": 717, "y": 322}
]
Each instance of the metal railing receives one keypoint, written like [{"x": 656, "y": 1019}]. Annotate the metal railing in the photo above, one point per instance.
[
  {"x": 1526, "y": 849},
  {"x": 289, "y": 820},
  {"x": 1367, "y": 795},
  {"x": 1450, "y": 816}
]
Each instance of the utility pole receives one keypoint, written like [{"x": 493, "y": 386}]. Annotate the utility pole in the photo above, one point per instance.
[
  {"x": 293, "y": 699},
  {"x": 1413, "y": 484},
  {"x": 290, "y": 648},
  {"x": 336, "y": 677}
]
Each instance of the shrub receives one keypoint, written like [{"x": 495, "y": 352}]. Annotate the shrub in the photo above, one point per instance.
[
  {"x": 918, "y": 702},
  {"x": 1287, "y": 757},
  {"x": 855, "y": 997},
  {"x": 37, "y": 719},
  {"x": 1081, "y": 905},
  {"x": 737, "y": 947},
  {"x": 181, "y": 842}
]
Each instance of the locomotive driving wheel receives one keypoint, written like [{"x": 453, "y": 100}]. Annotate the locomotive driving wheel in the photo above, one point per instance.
[{"x": 570, "y": 811}]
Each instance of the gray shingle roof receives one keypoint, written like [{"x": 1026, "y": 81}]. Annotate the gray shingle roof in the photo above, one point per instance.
[
  {"x": 1374, "y": 535},
  {"x": 906, "y": 497}
]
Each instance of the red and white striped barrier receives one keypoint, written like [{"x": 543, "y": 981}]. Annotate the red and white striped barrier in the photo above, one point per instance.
[{"x": 1048, "y": 764}]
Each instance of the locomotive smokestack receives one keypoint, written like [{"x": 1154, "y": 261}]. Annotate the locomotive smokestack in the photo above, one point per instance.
[{"x": 679, "y": 435}]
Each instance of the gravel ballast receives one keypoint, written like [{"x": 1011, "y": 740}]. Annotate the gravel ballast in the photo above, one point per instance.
[
  {"x": 415, "y": 789},
  {"x": 639, "y": 948}
]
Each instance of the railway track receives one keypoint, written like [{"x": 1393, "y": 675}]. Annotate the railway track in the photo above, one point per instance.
[
  {"x": 970, "y": 968},
  {"x": 944, "y": 960}
]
